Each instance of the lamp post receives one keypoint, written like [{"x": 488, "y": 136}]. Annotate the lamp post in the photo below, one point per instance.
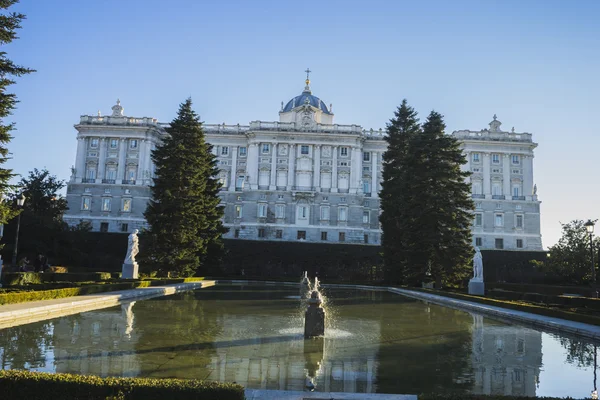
[
  {"x": 20, "y": 202},
  {"x": 589, "y": 226}
]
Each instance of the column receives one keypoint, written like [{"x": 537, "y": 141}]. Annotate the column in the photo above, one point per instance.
[
  {"x": 317, "y": 167},
  {"x": 355, "y": 175},
  {"x": 233, "y": 174},
  {"x": 527, "y": 176},
  {"x": 291, "y": 166},
  {"x": 487, "y": 190},
  {"x": 252, "y": 165},
  {"x": 273, "y": 180},
  {"x": 102, "y": 159},
  {"x": 146, "y": 162},
  {"x": 141, "y": 155},
  {"x": 334, "y": 177},
  {"x": 122, "y": 160},
  {"x": 506, "y": 176},
  {"x": 374, "y": 177},
  {"x": 80, "y": 159}
]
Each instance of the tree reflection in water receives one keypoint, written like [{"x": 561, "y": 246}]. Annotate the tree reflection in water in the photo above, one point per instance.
[{"x": 24, "y": 347}]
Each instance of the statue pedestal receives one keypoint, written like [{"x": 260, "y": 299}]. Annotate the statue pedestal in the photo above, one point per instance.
[
  {"x": 476, "y": 287},
  {"x": 129, "y": 271}
]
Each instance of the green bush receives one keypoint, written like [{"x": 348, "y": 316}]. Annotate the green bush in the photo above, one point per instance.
[
  {"x": 460, "y": 396},
  {"x": 15, "y": 384},
  {"x": 21, "y": 278},
  {"x": 28, "y": 278}
]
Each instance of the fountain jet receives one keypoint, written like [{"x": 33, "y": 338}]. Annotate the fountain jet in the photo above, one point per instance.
[{"x": 304, "y": 286}]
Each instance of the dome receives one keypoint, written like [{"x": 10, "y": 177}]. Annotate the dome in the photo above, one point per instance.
[{"x": 306, "y": 98}]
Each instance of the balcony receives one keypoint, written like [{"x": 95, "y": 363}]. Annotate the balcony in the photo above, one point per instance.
[
  {"x": 88, "y": 180},
  {"x": 518, "y": 197},
  {"x": 304, "y": 188},
  {"x": 478, "y": 196},
  {"x": 128, "y": 181},
  {"x": 498, "y": 197},
  {"x": 367, "y": 194},
  {"x": 239, "y": 189},
  {"x": 109, "y": 181}
]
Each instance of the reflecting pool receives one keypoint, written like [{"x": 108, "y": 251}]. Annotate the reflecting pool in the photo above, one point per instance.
[{"x": 253, "y": 335}]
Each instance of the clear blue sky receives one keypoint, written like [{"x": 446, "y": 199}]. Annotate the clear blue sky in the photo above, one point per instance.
[{"x": 534, "y": 63}]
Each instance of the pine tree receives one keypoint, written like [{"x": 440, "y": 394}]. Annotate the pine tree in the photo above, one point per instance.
[
  {"x": 184, "y": 213},
  {"x": 394, "y": 192},
  {"x": 9, "y": 23},
  {"x": 442, "y": 211}
]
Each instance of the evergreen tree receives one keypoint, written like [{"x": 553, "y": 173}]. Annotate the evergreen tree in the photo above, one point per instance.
[
  {"x": 394, "y": 192},
  {"x": 9, "y": 23},
  {"x": 442, "y": 211},
  {"x": 184, "y": 213}
]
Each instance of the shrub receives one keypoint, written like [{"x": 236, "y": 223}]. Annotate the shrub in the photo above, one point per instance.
[
  {"x": 460, "y": 396},
  {"x": 29, "y": 278},
  {"x": 21, "y": 278},
  {"x": 15, "y": 384}
]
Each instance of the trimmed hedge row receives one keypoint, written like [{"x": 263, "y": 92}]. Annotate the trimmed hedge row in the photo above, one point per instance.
[
  {"x": 555, "y": 290},
  {"x": 561, "y": 301},
  {"x": 15, "y": 384},
  {"x": 29, "y": 278},
  {"x": 21, "y": 297}
]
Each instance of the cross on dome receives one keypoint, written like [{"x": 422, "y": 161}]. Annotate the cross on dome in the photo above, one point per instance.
[{"x": 307, "y": 87}]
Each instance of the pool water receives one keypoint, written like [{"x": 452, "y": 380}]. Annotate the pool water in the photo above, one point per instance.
[{"x": 374, "y": 342}]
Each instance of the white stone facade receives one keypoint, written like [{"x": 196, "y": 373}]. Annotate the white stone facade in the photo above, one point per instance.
[{"x": 300, "y": 178}]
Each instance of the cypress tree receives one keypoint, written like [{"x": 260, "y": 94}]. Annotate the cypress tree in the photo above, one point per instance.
[
  {"x": 395, "y": 193},
  {"x": 9, "y": 23},
  {"x": 184, "y": 213}
]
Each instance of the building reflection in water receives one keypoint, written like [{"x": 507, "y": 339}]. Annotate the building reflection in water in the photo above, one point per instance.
[
  {"x": 82, "y": 343},
  {"x": 506, "y": 359}
]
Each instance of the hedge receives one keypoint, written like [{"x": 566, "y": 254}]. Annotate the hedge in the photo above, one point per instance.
[
  {"x": 28, "y": 278},
  {"x": 16, "y": 384},
  {"x": 560, "y": 301},
  {"x": 556, "y": 290},
  {"x": 21, "y": 297}
]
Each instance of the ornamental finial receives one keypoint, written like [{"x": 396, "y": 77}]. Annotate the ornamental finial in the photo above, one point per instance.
[{"x": 307, "y": 87}]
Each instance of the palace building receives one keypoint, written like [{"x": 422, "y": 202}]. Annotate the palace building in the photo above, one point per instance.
[{"x": 302, "y": 177}]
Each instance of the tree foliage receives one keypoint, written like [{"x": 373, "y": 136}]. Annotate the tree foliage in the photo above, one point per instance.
[
  {"x": 184, "y": 213},
  {"x": 10, "y": 22},
  {"x": 571, "y": 258},
  {"x": 426, "y": 205}
]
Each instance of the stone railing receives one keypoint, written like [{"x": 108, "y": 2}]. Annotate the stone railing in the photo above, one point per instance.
[
  {"x": 225, "y": 129},
  {"x": 109, "y": 120},
  {"x": 493, "y": 136}
]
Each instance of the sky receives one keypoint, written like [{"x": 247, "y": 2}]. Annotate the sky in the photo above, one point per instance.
[{"x": 535, "y": 64}]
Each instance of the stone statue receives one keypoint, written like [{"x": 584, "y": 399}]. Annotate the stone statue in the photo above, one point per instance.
[
  {"x": 132, "y": 248},
  {"x": 535, "y": 190},
  {"x": 477, "y": 266}
]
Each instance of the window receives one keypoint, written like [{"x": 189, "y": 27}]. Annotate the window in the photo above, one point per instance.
[
  {"x": 133, "y": 143},
  {"x": 265, "y": 148},
  {"x": 86, "y": 203},
  {"x": 236, "y": 233},
  {"x": 103, "y": 226},
  {"x": 223, "y": 181},
  {"x": 323, "y": 235},
  {"x": 499, "y": 220},
  {"x": 519, "y": 243},
  {"x": 278, "y": 234},
  {"x": 521, "y": 346},
  {"x": 126, "y": 206},
  {"x": 499, "y": 244},
  {"x": 516, "y": 171},
  {"x": 477, "y": 187},
  {"x": 301, "y": 235},
  {"x": 243, "y": 152},
  {"x": 475, "y": 157},
  {"x": 516, "y": 159},
  {"x": 342, "y": 236},
  {"x": 366, "y": 238},
  {"x": 261, "y": 232},
  {"x": 325, "y": 198},
  {"x": 280, "y": 211},
  {"x": 111, "y": 173},
  {"x": 303, "y": 149},
  {"x": 342, "y": 214},
  {"x": 91, "y": 172},
  {"x": 496, "y": 158},
  {"x": 224, "y": 150},
  {"x": 262, "y": 210},
  {"x": 106, "y": 204},
  {"x": 131, "y": 173},
  {"x": 127, "y": 191},
  {"x": 344, "y": 151},
  {"x": 516, "y": 191},
  {"x": 342, "y": 199},
  {"x": 114, "y": 143},
  {"x": 519, "y": 221},
  {"x": 238, "y": 211},
  {"x": 302, "y": 212},
  {"x": 366, "y": 187},
  {"x": 366, "y": 169},
  {"x": 280, "y": 196},
  {"x": 366, "y": 203},
  {"x": 324, "y": 213},
  {"x": 124, "y": 227},
  {"x": 366, "y": 156},
  {"x": 478, "y": 242},
  {"x": 496, "y": 188},
  {"x": 478, "y": 219},
  {"x": 366, "y": 217},
  {"x": 94, "y": 143}
]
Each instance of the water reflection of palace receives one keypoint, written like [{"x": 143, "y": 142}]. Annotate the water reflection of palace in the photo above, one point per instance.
[
  {"x": 280, "y": 358},
  {"x": 101, "y": 343},
  {"x": 506, "y": 359}
]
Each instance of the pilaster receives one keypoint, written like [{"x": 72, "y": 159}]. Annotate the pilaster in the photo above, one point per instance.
[
  {"x": 291, "y": 166},
  {"x": 273, "y": 179},
  {"x": 334, "y": 170},
  {"x": 486, "y": 165},
  {"x": 141, "y": 157},
  {"x": 102, "y": 159},
  {"x": 252, "y": 165},
  {"x": 121, "y": 165},
  {"x": 528, "y": 176},
  {"x": 506, "y": 176},
  {"x": 374, "y": 177},
  {"x": 233, "y": 170},
  {"x": 317, "y": 167},
  {"x": 355, "y": 174},
  {"x": 80, "y": 159}
]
